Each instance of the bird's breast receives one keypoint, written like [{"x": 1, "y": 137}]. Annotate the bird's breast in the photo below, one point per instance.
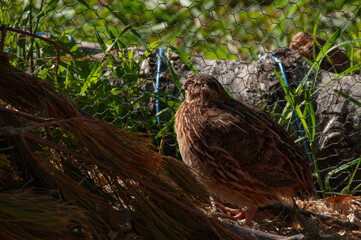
[{"x": 189, "y": 136}]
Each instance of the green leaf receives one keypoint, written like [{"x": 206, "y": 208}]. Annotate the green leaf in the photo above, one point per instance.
[
  {"x": 285, "y": 88},
  {"x": 331, "y": 41},
  {"x": 337, "y": 170},
  {"x": 347, "y": 189},
  {"x": 351, "y": 99},
  {"x": 302, "y": 119},
  {"x": 93, "y": 76}
]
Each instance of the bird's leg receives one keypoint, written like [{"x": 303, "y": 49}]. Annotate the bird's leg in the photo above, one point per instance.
[
  {"x": 249, "y": 216},
  {"x": 239, "y": 213},
  {"x": 234, "y": 211}
]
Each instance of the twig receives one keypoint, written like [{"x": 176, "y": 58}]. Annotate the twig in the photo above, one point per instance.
[
  {"x": 57, "y": 61},
  {"x": 40, "y": 37},
  {"x": 56, "y": 45},
  {"x": 25, "y": 115}
]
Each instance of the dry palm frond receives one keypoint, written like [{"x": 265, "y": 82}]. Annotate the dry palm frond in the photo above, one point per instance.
[
  {"x": 112, "y": 175},
  {"x": 31, "y": 215}
]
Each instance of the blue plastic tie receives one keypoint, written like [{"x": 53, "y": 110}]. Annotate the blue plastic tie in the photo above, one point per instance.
[
  {"x": 304, "y": 143},
  {"x": 42, "y": 34},
  {"x": 157, "y": 82}
]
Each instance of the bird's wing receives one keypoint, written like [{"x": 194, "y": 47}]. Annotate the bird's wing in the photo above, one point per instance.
[{"x": 244, "y": 137}]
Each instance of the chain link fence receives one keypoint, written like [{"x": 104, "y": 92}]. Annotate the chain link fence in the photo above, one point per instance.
[{"x": 130, "y": 57}]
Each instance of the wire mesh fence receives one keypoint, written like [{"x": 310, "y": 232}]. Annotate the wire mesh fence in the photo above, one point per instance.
[{"x": 129, "y": 59}]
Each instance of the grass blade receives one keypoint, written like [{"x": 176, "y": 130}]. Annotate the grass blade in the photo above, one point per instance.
[{"x": 351, "y": 99}]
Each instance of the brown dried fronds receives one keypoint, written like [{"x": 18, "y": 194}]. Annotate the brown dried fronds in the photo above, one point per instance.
[
  {"x": 9, "y": 177},
  {"x": 133, "y": 176},
  {"x": 33, "y": 215}
]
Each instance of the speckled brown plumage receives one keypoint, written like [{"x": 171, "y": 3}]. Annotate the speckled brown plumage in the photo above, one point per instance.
[{"x": 236, "y": 150}]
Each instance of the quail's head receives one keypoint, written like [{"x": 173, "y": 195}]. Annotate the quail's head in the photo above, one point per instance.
[{"x": 203, "y": 88}]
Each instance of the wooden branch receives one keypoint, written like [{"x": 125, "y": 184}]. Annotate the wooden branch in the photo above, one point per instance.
[{"x": 251, "y": 234}]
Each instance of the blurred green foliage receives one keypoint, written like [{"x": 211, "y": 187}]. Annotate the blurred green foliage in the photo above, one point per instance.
[{"x": 213, "y": 29}]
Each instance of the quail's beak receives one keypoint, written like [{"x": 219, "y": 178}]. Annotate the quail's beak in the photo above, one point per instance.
[{"x": 182, "y": 89}]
